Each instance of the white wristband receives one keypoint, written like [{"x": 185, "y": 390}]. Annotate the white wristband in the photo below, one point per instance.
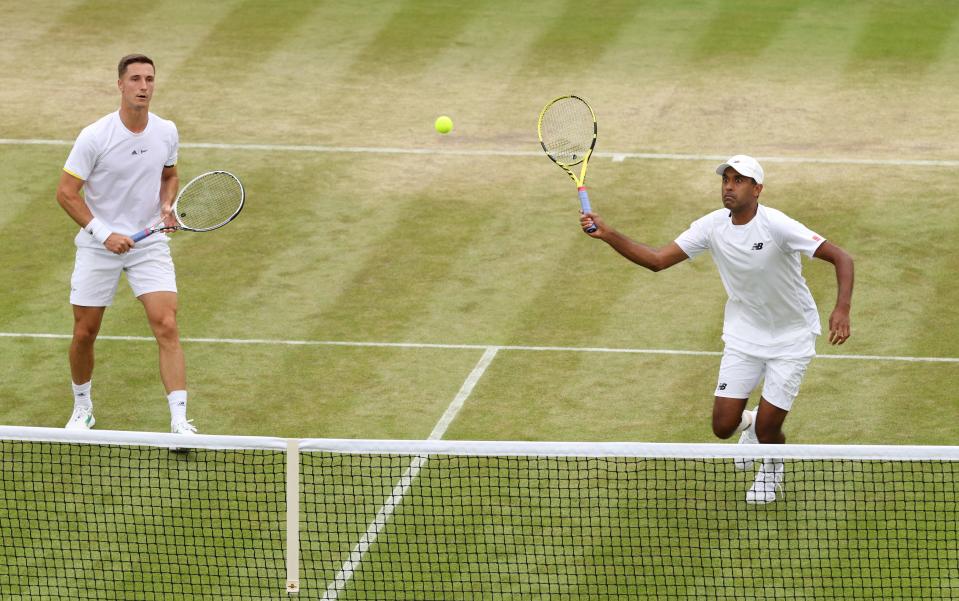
[{"x": 99, "y": 230}]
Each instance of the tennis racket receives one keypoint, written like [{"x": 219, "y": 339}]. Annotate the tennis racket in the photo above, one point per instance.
[
  {"x": 567, "y": 132},
  {"x": 207, "y": 202}
]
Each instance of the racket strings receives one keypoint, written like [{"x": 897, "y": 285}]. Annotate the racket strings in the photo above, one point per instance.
[
  {"x": 568, "y": 130},
  {"x": 210, "y": 201}
]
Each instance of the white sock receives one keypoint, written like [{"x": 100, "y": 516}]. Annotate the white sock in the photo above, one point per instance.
[
  {"x": 177, "y": 400},
  {"x": 82, "y": 396},
  {"x": 746, "y": 421}
]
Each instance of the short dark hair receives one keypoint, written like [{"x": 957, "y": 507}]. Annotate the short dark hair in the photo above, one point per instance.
[{"x": 130, "y": 59}]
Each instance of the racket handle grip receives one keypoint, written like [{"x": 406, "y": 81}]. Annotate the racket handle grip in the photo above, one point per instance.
[
  {"x": 584, "y": 204},
  {"x": 141, "y": 235}
]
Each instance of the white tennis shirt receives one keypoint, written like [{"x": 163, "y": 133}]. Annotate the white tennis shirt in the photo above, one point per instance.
[
  {"x": 770, "y": 306},
  {"x": 121, "y": 172}
]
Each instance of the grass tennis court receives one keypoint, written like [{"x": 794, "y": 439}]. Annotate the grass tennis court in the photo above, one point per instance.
[
  {"x": 485, "y": 249},
  {"x": 376, "y": 260}
]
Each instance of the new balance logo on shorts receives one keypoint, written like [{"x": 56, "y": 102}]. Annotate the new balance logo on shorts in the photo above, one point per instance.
[
  {"x": 722, "y": 386},
  {"x": 758, "y": 246}
]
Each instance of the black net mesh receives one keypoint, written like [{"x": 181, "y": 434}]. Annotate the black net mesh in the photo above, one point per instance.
[
  {"x": 625, "y": 528},
  {"x": 102, "y": 521},
  {"x": 82, "y": 521}
]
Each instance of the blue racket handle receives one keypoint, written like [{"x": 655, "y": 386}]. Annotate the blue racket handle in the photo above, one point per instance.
[
  {"x": 141, "y": 235},
  {"x": 584, "y": 204}
]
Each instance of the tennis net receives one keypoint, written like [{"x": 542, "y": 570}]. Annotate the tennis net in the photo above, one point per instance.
[{"x": 118, "y": 515}]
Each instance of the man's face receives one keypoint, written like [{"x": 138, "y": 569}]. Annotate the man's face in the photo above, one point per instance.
[
  {"x": 136, "y": 85},
  {"x": 739, "y": 191}
]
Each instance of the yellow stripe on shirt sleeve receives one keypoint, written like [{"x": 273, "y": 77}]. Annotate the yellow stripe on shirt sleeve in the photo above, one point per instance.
[{"x": 74, "y": 174}]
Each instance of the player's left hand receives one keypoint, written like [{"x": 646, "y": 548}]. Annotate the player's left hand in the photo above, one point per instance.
[
  {"x": 839, "y": 329},
  {"x": 166, "y": 214}
]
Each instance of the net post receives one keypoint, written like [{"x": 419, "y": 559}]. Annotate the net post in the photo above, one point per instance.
[{"x": 292, "y": 516}]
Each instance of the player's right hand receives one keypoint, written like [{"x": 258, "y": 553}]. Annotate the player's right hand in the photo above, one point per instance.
[
  {"x": 589, "y": 219},
  {"x": 118, "y": 244}
]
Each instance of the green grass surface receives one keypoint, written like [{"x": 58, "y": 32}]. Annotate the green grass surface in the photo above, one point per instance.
[{"x": 482, "y": 249}]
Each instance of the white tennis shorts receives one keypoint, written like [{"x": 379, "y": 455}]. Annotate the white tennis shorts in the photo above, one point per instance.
[
  {"x": 739, "y": 374},
  {"x": 96, "y": 273}
]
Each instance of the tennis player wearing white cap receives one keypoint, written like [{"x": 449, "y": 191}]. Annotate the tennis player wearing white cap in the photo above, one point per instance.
[{"x": 771, "y": 321}]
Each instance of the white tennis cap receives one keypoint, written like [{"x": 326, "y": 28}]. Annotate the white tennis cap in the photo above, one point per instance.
[{"x": 744, "y": 165}]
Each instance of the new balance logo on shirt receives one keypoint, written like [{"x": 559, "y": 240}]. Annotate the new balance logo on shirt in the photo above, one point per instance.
[{"x": 758, "y": 246}]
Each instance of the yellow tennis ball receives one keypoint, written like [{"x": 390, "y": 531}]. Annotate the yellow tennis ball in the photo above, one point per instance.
[{"x": 443, "y": 124}]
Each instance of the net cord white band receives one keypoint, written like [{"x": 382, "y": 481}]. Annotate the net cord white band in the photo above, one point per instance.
[
  {"x": 150, "y": 439},
  {"x": 491, "y": 448}
]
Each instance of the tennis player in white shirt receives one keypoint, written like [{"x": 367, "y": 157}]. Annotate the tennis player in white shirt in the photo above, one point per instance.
[
  {"x": 771, "y": 321},
  {"x": 125, "y": 165}
]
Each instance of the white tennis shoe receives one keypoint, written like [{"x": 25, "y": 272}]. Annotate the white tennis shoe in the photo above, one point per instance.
[
  {"x": 81, "y": 419},
  {"x": 183, "y": 426},
  {"x": 747, "y": 437},
  {"x": 769, "y": 480}
]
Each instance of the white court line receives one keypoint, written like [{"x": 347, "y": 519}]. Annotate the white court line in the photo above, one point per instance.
[
  {"x": 430, "y": 345},
  {"x": 406, "y": 481},
  {"x": 616, "y": 157}
]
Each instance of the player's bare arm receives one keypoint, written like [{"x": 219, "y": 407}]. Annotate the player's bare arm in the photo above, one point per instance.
[
  {"x": 169, "y": 184},
  {"x": 69, "y": 197},
  {"x": 653, "y": 259},
  {"x": 839, "y": 325}
]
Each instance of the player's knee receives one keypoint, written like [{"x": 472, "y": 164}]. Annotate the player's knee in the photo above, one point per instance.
[
  {"x": 165, "y": 327},
  {"x": 724, "y": 428},
  {"x": 84, "y": 333}
]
